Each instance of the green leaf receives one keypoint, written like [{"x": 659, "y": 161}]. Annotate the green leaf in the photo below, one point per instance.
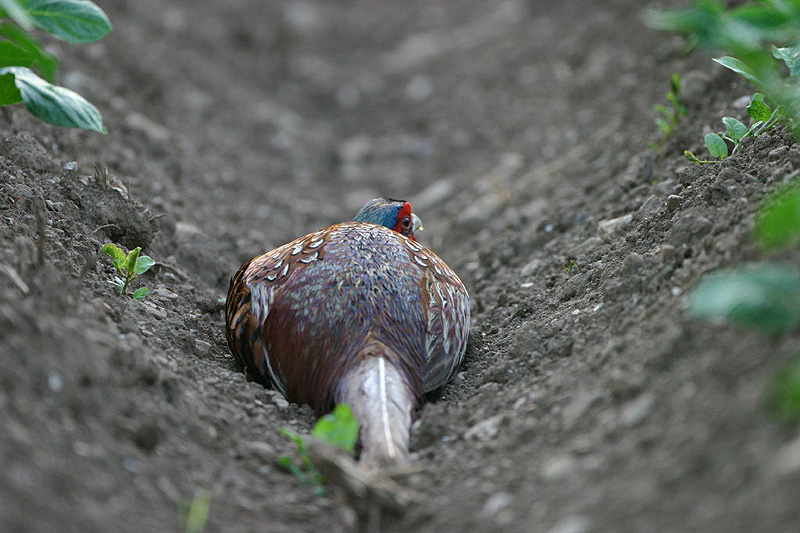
[
  {"x": 286, "y": 463},
  {"x": 45, "y": 63},
  {"x": 75, "y": 21},
  {"x": 291, "y": 435},
  {"x": 193, "y": 516},
  {"x": 738, "y": 66},
  {"x": 698, "y": 19},
  {"x": 118, "y": 283},
  {"x": 673, "y": 99},
  {"x": 9, "y": 94},
  {"x": 736, "y": 130},
  {"x": 716, "y": 145},
  {"x": 339, "y": 428},
  {"x": 790, "y": 56},
  {"x": 143, "y": 263},
  {"x": 778, "y": 223},
  {"x": 766, "y": 297},
  {"x": 130, "y": 261},
  {"x": 116, "y": 254},
  {"x": 752, "y": 129},
  {"x": 675, "y": 84},
  {"x": 690, "y": 156},
  {"x": 783, "y": 392},
  {"x": 140, "y": 293},
  {"x": 12, "y": 55},
  {"x": 53, "y": 104},
  {"x": 17, "y": 13}
]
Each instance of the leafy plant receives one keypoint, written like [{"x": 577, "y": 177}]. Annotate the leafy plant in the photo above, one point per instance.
[
  {"x": 762, "y": 296},
  {"x": 763, "y": 117},
  {"x": 570, "y": 268},
  {"x": 22, "y": 56},
  {"x": 668, "y": 121},
  {"x": 761, "y": 42},
  {"x": 129, "y": 266},
  {"x": 193, "y": 516},
  {"x": 305, "y": 471},
  {"x": 778, "y": 221},
  {"x": 339, "y": 428},
  {"x": 783, "y": 392}
]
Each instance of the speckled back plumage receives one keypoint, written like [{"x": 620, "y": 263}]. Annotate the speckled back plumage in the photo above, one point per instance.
[{"x": 307, "y": 314}]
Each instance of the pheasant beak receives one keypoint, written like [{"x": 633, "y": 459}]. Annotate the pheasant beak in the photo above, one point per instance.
[{"x": 416, "y": 223}]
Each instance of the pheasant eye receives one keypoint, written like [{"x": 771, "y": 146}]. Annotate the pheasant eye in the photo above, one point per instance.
[{"x": 406, "y": 222}]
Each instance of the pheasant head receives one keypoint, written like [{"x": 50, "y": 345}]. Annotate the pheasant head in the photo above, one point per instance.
[{"x": 393, "y": 214}]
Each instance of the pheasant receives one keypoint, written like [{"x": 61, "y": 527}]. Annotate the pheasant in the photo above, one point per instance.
[{"x": 356, "y": 313}]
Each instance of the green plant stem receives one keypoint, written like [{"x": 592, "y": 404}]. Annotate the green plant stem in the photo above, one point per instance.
[{"x": 124, "y": 290}]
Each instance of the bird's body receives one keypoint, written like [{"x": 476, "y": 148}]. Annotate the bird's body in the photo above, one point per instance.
[{"x": 354, "y": 313}]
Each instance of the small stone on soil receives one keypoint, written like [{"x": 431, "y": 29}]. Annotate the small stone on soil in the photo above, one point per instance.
[
  {"x": 559, "y": 467},
  {"x": 485, "y": 429},
  {"x": 674, "y": 202},
  {"x": 610, "y": 229},
  {"x": 637, "y": 410},
  {"x": 571, "y": 524},
  {"x": 259, "y": 450}
]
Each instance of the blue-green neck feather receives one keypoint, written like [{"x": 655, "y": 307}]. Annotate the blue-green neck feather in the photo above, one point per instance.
[{"x": 381, "y": 211}]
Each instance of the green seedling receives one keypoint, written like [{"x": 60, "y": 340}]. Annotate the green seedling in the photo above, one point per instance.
[
  {"x": 339, "y": 428},
  {"x": 28, "y": 72},
  {"x": 668, "y": 121},
  {"x": 129, "y": 266},
  {"x": 192, "y": 516},
  {"x": 305, "y": 471},
  {"x": 783, "y": 392},
  {"x": 763, "y": 118},
  {"x": 570, "y": 268}
]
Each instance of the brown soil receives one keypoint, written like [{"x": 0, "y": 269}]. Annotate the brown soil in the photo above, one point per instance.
[{"x": 588, "y": 400}]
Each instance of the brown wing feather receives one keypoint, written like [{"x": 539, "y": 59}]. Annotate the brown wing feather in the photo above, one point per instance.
[
  {"x": 242, "y": 328},
  {"x": 250, "y": 294},
  {"x": 446, "y": 306}
]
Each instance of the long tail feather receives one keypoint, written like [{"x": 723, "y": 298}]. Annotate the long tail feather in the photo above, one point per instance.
[{"x": 382, "y": 404}]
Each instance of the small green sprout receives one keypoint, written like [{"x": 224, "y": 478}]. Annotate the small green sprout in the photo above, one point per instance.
[
  {"x": 129, "y": 266},
  {"x": 305, "y": 472},
  {"x": 763, "y": 117},
  {"x": 339, "y": 428},
  {"x": 668, "y": 122},
  {"x": 192, "y": 516},
  {"x": 570, "y": 268}
]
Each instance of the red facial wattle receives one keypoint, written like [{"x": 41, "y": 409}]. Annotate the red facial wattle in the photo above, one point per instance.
[{"x": 405, "y": 222}]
